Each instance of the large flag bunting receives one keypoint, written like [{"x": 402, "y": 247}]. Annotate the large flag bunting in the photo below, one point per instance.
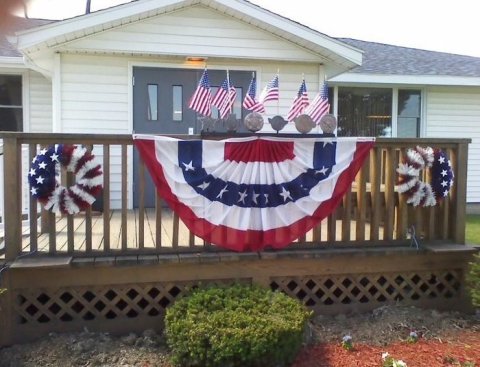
[
  {"x": 319, "y": 105},
  {"x": 299, "y": 103},
  {"x": 246, "y": 194},
  {"x": 270, "y": 92},
  {"x": 225, "y": 97},
  {"x": 201, "y": 100},
  {"x": 249, "y": 102}
]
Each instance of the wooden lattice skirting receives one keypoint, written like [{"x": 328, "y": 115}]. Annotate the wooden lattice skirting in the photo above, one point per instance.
[{"x": 107, "y": 296}]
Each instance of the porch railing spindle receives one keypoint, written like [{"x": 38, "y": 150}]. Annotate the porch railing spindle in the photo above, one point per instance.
[{"x": 106, "y": 197}]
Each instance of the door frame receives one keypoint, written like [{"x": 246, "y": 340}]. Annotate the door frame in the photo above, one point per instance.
[{"x": 169, "y": 65}]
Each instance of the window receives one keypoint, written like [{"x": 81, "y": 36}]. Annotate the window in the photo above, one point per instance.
[
  {"x": 11, "y": 110},
  {"x": 152, "y": 108},
  {"x": 177, "y": 104},
  {"x": 409, "y": 113},
  {"x": 364, "y": 111}
]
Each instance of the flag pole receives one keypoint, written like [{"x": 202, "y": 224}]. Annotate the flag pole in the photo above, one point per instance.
[{"x": 278, "y": 99}]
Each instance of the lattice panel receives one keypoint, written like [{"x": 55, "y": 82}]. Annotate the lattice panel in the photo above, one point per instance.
[
  {"x": 370, "y": 288},
  {"x": 99, "y": 303}
]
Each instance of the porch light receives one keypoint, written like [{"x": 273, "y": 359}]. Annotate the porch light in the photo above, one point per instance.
[{"x": 196, "y": 58}]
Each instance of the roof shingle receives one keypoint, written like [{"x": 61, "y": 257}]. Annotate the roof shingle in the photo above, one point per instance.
[
  {"x": 17, "y": 24},
  {"x": 380, "y": 58}
]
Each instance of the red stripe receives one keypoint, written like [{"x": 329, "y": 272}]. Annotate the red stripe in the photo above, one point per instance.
[
  {"x": 251, "y": 240},
  {"x": 259, "y": 151}
]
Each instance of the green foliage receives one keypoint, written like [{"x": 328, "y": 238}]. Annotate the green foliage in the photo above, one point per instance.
[
  {"x": 473, "y": 280},
  {"x": 472, "y": 229},
  {"x": 234, "y": 326}
]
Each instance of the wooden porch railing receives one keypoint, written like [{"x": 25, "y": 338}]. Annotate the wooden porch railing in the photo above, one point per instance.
[{"x": 372, "y": 212}]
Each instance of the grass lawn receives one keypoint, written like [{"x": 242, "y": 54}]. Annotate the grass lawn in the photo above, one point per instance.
[{"x": 472, "y": 230}]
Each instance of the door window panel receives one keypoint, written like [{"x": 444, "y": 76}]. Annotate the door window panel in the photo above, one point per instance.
[
  {"x": 152, "y": 108},
  {"x": 177, "y": 104},
  {"x": 11, "y": 110},
  {"x": 409, "y": 113}
]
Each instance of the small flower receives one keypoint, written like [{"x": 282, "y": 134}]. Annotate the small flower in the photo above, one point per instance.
[
  {"x": 412, "y": 337},
  {"x": 347, "y": 342},
  {"x": 389, "y": 361}
]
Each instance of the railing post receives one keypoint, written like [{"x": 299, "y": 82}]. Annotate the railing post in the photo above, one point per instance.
[
  {"x": 460, "y": 199},
  {"x": 12, "y": 197}
]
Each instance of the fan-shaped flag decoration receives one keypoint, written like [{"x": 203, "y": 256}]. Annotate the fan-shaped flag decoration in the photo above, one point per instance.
[{"x": 246, "y": 194}]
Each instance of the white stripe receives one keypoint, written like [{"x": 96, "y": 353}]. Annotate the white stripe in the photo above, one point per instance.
[
  {"x": 77, "y": 153},
  {"x": 85, "y": 196}
]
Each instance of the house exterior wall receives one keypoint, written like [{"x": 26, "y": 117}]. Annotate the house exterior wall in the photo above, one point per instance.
[
  {"x": 455, "y": 113},
  {"x": 40, "y": 103},
  {"x": 194, "y": 31}
]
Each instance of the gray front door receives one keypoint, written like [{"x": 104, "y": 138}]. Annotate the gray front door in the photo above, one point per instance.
[{"x": 160, "y": 106}]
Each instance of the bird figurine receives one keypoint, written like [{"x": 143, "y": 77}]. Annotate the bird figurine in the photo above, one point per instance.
[{"x": 277, "y": 123}]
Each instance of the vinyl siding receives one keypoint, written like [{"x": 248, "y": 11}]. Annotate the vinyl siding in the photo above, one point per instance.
[
  {"x": 194, "y": 31},
  {"x": 40, "y": 103},
  {"x": 455, "y": 113}
]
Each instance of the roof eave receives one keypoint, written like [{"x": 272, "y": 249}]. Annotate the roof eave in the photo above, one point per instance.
[
  {"x": 55, "y": 34},
  {"x": 12, "y": 62},
  {"x": 445, "y": 80}
]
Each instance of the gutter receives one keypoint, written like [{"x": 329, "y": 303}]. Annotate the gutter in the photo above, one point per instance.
[{"x": 11, "y": 61}]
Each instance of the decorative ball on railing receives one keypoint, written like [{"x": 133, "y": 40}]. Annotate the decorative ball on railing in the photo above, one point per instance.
[
  {"x": 277, "y": 123},
  {"x": 304, "y": 123},
  {"x": 44, "y": 178},
  {"x": 328, "y": 123},
  {"x": 411, "y": 170},
  {"x": 253, "y": 121},
  {"x": 231, "y": 123}
]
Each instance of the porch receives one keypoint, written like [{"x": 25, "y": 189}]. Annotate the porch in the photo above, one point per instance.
[{"x": 115, "y": 268}]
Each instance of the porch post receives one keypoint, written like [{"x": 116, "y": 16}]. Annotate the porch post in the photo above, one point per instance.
[
  {"x": 12, "y": 196},
  {"x": 460, "y": 199}
]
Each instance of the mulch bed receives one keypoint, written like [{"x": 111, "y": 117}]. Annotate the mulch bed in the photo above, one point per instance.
[{"x": 461, "y": 349}]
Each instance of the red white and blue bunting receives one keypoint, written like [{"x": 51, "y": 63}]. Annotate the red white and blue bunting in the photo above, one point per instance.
[
  {"x": 411, "y": 170},
  {"x": 44, "y": 178},
  {"x": 246, "y": 194}
]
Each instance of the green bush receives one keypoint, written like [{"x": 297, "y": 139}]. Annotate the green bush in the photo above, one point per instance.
[
  {"x": 234, "y": 326},
  {"x": 473, "y": 280}
]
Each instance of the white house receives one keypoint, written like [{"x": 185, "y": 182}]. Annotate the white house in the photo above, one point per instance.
[{"x": 134, "y": 66}]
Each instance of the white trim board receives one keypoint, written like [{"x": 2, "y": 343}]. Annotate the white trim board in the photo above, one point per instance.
[{"x": 444, "y": 80}]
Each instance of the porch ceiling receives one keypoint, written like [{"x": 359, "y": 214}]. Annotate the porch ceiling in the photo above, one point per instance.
[{"x": 55, "y": 35}]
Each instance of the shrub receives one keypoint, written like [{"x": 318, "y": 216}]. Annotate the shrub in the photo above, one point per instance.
[
  {"x": 234, "y": 326},
  {"x": 473, "y": 280}
]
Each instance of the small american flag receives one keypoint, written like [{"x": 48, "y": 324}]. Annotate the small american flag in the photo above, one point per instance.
[
  {"x": 249, "y": 102},
  {"x": 270, "y": 92},
  {"x": 320, "y": 105},
  {"x": 201, "y": 100},
  {"x": 225, "y": 97},
  {"x": 299, "y": 103}
]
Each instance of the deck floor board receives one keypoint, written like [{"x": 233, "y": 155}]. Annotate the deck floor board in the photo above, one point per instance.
[{"x": 149, "y": 232}]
